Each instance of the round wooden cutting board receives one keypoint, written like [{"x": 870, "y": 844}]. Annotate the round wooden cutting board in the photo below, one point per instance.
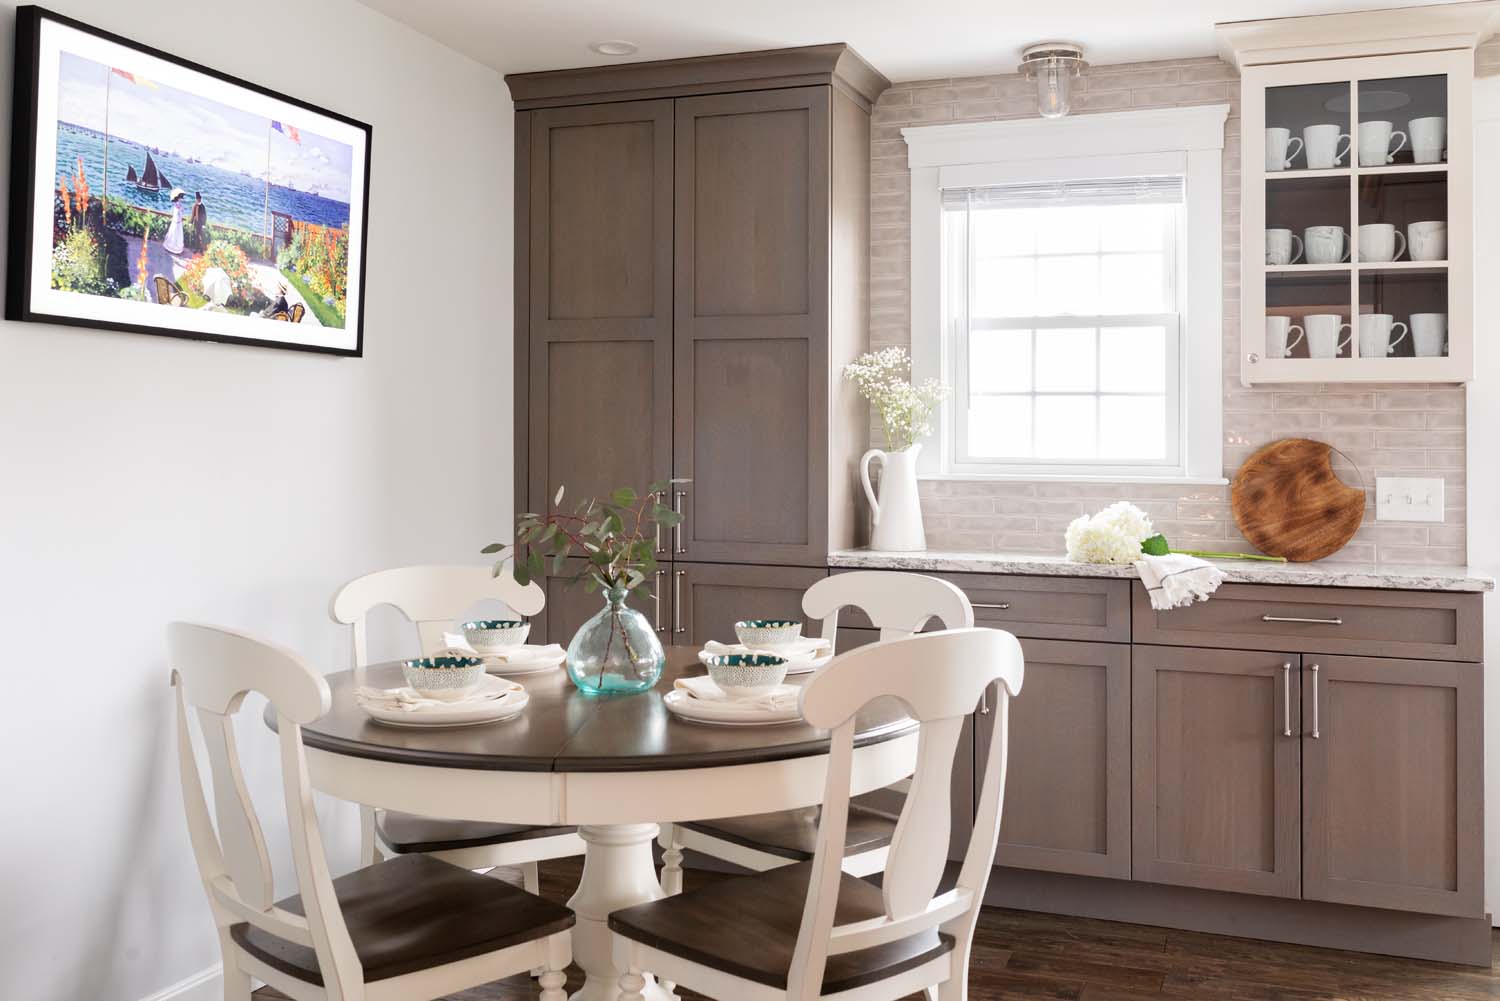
[{"x": 1288, "y": 502}]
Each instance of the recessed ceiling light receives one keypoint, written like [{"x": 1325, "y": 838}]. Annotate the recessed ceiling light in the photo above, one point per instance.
[{"x": 615, "y": 47}]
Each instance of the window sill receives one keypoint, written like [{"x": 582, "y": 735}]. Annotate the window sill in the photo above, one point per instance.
[{"x": 1167, "y": 480}]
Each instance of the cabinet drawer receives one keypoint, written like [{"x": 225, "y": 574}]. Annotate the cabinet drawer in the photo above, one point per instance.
[
  {"x": 1039, "y": 607},
  {"x": 1417, "y": 624}
]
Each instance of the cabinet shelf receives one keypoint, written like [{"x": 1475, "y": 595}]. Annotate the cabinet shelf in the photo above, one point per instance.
[
  {"x": 1309, "y": 269},
  {"x": 1407, "y": 267},
  {"x": 1294, "y": 173}
]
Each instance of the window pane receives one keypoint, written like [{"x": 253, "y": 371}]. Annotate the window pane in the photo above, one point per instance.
[
  {"x": 1066, "y": 285},
  {"x": 1066, "y": 427},
  {"x": 1000, "y": 361},
  {"x": 1004, "y": 232},
  {"x": 1132, "y": 427},
  {"x": 1065, "y": 360},
  {"x": 1067, "y": 229},
  {"x": 1000, "y": 427},
  {"x": 1133, "y": 227},
  {"x": 1004, "y": 286},
  {"x": 1132, "y": 283},
  {"x": 1133, "y": 359}
]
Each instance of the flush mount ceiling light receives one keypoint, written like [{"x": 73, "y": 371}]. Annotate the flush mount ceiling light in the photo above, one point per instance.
[
  {"x": 614, "y": 47},
  {"x": 1053, "y": 65}
]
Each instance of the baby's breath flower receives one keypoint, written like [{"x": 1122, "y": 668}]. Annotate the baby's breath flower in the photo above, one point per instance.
[{"x": 884, "y": 378}]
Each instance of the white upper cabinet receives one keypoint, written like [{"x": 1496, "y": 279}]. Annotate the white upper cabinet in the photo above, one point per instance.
[{"x": 1356, "y": 249}]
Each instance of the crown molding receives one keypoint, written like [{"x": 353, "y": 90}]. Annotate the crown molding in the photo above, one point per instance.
[{"x": 1357, "y": 33}]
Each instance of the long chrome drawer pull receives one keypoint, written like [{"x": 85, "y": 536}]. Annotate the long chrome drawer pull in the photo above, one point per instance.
[
  {"x": 1002, "y": 606},
  {"x": 1286, "y": 699},
  {"x": 677, "y": 505},
  {"x": 678, "y": 626},
  {"x": 1298, "y": 618},
  {"x": 1315, "y": 734},
  {"x": 656, "y": 597}
]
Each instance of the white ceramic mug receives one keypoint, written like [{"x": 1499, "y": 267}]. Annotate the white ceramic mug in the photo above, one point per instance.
[
  {"x": 1326, "y": 244},
  {"x": 1279, "y": 342},
  {"x": 1375, "y": 334},
  {"x": 1280, "y": 249},
  {"x": 1377, "y": 242},
  {"x": 1375, "y": 144},
  {"x": 1428, "y": 240},
  {"x": 1279, "y": 154},
  {"x": 1429, "y": 334},
  {"x": 1321, "y": 143},
  {"x": 1323, "y": 330},
  {"x": 1429, "y": 137}
]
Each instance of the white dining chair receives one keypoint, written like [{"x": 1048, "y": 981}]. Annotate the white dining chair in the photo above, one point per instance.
[
  {"x": 899, "y": 605},
  {"x": 432, "y": 598},
  {"x": 811, "y": 930},
  {"x": 409, "y": 929}
]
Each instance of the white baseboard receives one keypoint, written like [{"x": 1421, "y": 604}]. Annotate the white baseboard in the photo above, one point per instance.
[{"x": 205, "y": 985}]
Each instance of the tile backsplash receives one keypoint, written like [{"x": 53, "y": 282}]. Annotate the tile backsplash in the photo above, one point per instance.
[{"x": 1384, "y": 430}]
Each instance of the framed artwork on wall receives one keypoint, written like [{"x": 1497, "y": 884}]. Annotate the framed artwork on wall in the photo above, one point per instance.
[{"x": 155, "y": 195}]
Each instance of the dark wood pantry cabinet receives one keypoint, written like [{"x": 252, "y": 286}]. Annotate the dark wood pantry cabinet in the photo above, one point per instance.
[{"x": 692, "y": 260}]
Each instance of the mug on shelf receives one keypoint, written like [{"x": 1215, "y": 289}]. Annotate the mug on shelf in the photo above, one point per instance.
[
  {"x": 1323, "y": 330},
  {"x": 1279, "y": 343},
  {"x": 1321, "y": 143},
  {"x": 1378, "y": 242},
  {"x": 1428, "y": 240},
  {"x": 1280, "y": 247},
  {"x": 1326, "y": 244},
  {"x": 1375, "y": 144},
  {"x": 1429, "y": 334},
  {"x": 1279, "y": 154},
  {"x": 1429, "y": 137},
  {"x": 1375, "y": 334}
]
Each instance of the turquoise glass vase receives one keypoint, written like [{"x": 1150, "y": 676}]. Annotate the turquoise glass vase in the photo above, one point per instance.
[{"x": 616, "y": 650}]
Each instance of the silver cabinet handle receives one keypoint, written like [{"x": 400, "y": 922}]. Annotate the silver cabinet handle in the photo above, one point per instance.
[
  {"x": 677, "y": 505},
  {"x": 656, "y": 597},
  {"x": 1298, "y": 618},
  {"x": 1002, "y": 606},
  {"x": 1315, "y": 734},
  {"x": 1286, "y": 699},
  {"x": 678, "y": 626}
]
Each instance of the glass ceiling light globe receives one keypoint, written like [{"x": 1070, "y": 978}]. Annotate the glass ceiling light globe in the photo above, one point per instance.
[{"x": 1052, "y": 66}]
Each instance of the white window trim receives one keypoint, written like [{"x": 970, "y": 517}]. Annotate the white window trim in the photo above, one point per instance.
[{"x": 1082, "y": 146}]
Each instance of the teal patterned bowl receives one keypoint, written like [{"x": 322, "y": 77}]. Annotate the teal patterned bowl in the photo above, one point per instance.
[
  {"x": 446, "y": 679},
  {"x": 495, "y": 635},
  {"x": 746, "y": 675},
  {"x": 757, "y": 633}
]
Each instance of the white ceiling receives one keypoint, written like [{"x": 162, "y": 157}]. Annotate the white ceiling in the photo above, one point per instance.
[{"x": 905, "y": 39}]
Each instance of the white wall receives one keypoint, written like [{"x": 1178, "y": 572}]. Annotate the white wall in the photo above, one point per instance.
[{"x": 144, "y": 479}]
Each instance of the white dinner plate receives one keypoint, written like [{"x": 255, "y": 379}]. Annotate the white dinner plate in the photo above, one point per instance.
[
  {"x": 532, "y": 665},
  {"x": 684, "y": 706},
  {"x": 468, "y": 712}
]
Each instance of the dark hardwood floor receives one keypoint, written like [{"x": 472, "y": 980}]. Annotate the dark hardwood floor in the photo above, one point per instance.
[{"x": 1020, "y": 956}]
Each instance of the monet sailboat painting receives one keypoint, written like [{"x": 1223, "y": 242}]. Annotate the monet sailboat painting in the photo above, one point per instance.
[{"x": 166, "y": 198}]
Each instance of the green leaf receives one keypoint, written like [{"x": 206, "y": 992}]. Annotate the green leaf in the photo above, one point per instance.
[
  {"x": 624, "y": 497},
  {"x": 1156, "y": 546},
  {"x": 522, "y": 577},
  {"x": 493, "y": 548},
  {"x": 558, "y": 562},
  {"x": 558, "y": 499}
]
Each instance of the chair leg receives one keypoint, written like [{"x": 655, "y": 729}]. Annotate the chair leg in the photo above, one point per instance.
[
  {"x": 236, "y": 981},
  {"x": 631, "y": 986},
  {"x": 552, "y": 986},
  {"x": 369, "y": 853},
  {"x": 531, "y": 878},
  {"x": 671, "y": 868}
]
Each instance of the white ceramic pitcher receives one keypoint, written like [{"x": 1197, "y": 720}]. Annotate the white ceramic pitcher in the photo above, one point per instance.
[{"x": 898, "y": 511}]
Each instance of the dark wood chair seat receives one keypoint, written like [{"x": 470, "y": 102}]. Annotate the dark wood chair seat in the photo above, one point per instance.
[
  {"x": 793, "y": 834},
  {"x": 414, "y": 913},
  {"x": 408, "y": 833},
  {"x": 748, "y": 927}
]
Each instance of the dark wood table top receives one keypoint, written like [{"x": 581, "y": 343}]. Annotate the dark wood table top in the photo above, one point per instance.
[{"x": 565, "y": 730}]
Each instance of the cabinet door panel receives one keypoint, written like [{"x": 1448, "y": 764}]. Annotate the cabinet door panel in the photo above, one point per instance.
[
  {"x": 709, "y": 599},
  {"x": 1067, "y": 787},
  {"x": 1392, "y": 784},
  {"x": 600, "y": 216},
  {"x": 751, "y": 309},
  {"x": 1216, "y": 782},
  {"x": 569, "y": 606}
]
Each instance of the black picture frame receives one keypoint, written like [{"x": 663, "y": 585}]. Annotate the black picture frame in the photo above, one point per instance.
[{"x": 21, "y": 268}]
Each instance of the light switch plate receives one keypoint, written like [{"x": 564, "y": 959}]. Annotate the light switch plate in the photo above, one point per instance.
[{"x": 1408, "y": 498}]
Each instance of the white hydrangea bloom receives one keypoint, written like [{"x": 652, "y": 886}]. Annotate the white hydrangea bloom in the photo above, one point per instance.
[
  {"x": 1127, "y": 519},
  {"x": 1114, "y": 535}
]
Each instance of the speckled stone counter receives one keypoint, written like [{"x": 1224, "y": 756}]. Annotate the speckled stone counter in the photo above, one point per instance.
[{"x": 1321, "y": 574}]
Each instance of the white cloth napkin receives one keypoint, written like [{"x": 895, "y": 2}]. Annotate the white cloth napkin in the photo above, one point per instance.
[
  {"x": 1176, "y": 580},
  {"x": 407, "y": 700},
  {"x": 805, "y": 648},
  {"x": 782, "y": 698},
  {"x": 525, "y": 653}
]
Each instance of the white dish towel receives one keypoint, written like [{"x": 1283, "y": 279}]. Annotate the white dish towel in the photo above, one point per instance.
[{"x": 1176, "y": 580}]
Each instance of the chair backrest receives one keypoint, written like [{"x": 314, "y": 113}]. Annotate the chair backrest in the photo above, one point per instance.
[
  {"x": 432, "y": 597},
  {"x": 939, "y": 676},
  {"x": 212, "y": 670},
  {"x": 899, "y": 604}
]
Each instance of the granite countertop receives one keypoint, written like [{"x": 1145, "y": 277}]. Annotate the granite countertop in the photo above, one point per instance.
[{"x": 1435, "y": 577}]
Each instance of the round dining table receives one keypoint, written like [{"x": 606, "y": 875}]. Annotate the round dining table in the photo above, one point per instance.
[{"x": 616, "y": 766}]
